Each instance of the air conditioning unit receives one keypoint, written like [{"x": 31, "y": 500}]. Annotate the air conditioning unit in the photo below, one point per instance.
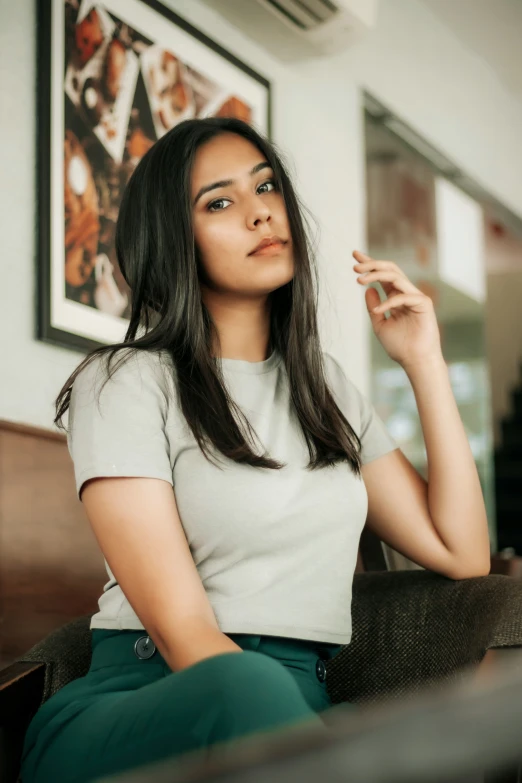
[{"x": 299, "y": 29}]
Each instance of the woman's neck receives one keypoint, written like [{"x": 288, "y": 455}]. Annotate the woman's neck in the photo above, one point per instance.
[{"x": 243, "y": 327}]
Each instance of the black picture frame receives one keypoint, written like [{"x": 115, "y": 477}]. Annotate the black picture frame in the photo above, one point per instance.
[{"x": 78, "y": 324}]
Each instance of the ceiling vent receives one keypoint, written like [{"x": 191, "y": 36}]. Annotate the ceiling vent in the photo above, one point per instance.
[{"x": 299, "y": 29}]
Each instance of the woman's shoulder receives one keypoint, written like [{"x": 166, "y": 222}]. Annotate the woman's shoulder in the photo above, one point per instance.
[{"x": 128, "y": 367}]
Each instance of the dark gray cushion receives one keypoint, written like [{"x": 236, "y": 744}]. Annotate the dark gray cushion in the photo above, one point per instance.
[{"x": 413, "y": 627}]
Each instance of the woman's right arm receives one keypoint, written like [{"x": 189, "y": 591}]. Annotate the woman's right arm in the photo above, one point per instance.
[{"x": 138, "y": 529}]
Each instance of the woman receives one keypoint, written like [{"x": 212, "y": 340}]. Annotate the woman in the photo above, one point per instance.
[{"x": 216, "y": 544}]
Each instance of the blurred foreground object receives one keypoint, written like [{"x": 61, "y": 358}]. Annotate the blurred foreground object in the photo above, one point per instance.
[{"x": 457, "y": 733}]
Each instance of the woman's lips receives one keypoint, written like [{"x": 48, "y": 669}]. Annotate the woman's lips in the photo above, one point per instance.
[{"x": 270, "y": 250}]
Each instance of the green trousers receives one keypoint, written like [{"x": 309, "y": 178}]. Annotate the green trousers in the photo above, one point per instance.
[{"x": 131, "y": 709}]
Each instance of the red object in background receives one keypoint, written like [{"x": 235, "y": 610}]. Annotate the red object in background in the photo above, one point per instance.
[
  {"x": 496, "y": 228},
  {"x": 416, "y": 204},
  {"x": 88, "y": 36}
]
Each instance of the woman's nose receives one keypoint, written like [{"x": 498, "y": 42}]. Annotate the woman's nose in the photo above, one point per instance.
[{"x": 258, "y": 212}]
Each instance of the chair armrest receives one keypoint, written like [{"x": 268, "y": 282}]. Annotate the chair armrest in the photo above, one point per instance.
[
  {"x": 19, "y": 681},
  {"x": 412, "y": 627},
  {"x": 66, "y": 653},
  {"x": 62, "y": 656},
  {"x": 21, "y": 689}
]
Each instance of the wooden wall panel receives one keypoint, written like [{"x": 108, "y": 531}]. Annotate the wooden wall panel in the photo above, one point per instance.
[{"x": 51, "y": 568}]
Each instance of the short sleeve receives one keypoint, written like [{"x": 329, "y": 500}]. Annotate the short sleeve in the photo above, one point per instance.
[
  {"x": 376, "y": 440},
  {"x": 118, "y": 429}
]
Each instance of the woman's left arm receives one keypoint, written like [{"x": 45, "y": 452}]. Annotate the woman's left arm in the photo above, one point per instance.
[{"x": 440, "y": 524}]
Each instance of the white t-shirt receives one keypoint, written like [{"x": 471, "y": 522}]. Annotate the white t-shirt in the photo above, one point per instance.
[{"x": 275, "y": 549}]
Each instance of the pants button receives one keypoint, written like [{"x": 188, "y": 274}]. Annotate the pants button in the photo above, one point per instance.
[
  {"x": 144, "y": 648},
  {"x": 320, "y": 670}
]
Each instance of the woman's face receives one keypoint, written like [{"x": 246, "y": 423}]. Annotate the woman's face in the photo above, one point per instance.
[{"x": 230, "y": 220}]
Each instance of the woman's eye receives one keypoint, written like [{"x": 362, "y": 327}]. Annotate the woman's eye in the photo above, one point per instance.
[
  {"x": 268, "y": 182},
  {"x": 214, "y": 205}
]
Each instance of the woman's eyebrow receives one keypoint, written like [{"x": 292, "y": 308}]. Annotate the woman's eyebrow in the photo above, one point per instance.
[{"x": 226, "y": 182}]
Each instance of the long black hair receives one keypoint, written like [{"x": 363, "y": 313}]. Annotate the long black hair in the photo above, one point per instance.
[{"x": 158, "y": 258}]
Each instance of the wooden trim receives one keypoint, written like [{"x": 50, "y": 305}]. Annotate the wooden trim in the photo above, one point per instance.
[
  {"x": 16, "y": 672},
  {"x": 21, "y": 692},
  {"x": 34, "y": 432}
]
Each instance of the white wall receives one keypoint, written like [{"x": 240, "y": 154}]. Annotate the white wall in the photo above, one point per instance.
[{"x": 410, "y": 62}]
